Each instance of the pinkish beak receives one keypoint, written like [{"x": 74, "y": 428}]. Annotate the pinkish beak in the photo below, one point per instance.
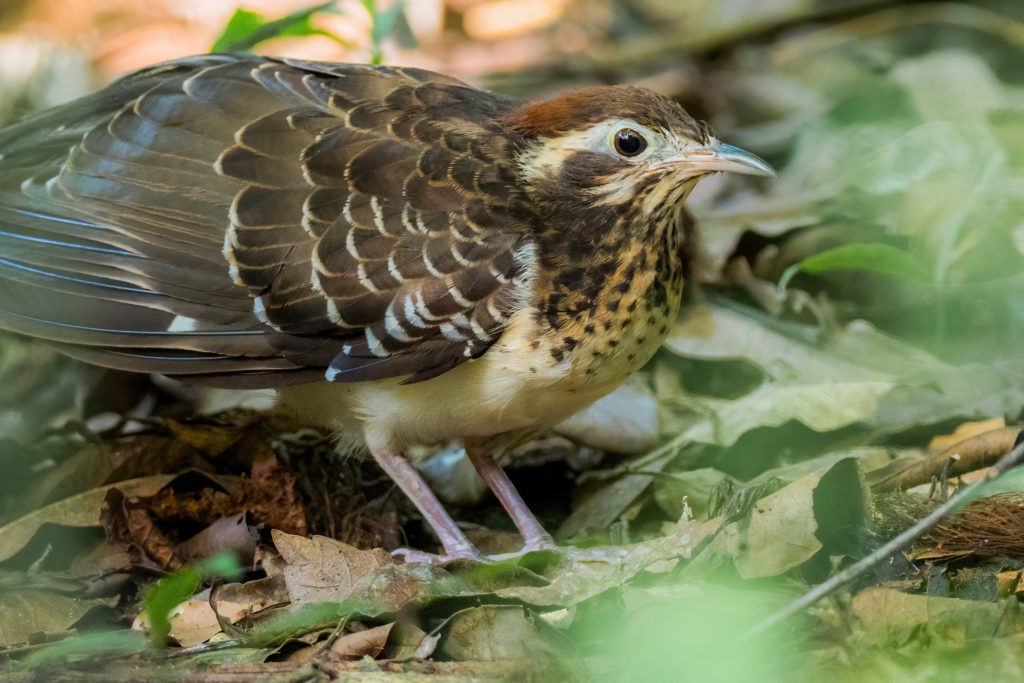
[{"x": 718, "y": 156}]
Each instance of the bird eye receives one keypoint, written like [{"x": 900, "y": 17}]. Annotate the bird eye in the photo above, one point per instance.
[{"x": 629, "y": 143}]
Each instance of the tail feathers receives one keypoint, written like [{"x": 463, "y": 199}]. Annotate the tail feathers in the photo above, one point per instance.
[{"x": 109, "y": 306}]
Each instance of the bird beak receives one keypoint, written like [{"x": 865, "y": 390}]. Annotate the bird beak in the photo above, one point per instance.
[{"x": 718, "y": 156}]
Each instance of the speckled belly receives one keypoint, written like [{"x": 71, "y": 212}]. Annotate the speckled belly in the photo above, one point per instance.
[{"x": 527, "y": 381}]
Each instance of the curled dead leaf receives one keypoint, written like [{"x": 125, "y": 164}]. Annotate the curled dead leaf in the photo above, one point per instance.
[
  {"x": 82, "y": 510},
  {"x": 320, "y": 569}
]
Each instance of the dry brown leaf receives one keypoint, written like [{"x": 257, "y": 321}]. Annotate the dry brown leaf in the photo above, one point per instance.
[
  {"x": 265, "y": 592},
  {"x": 210, "y": 439},
  {"x": 195, "y": 621},
  {"x": 492, "y": 633},
  {"x": 965, "y": 457},
  {"x": 270, "y": 493},
  {"x": 228, "y": 534},
  {"x": 321, "y": 569},
  {"x": 366, "y": 643},
  {"x": 965, "y": 431},
  {"x": 131, "y": 527},
  {"x": 82, "y": 510},
  {"x": 394, "y": 585},
  {"x": 201, "y": 502},
  {"x": 408, "y": 641},
  {"x": 150, "y": 527},
  {"x": 1008, "y": 583}
]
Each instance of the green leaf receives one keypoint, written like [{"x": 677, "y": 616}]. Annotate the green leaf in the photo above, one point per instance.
[
  {"x": 384, "y": 22},
  {"x": 823, "y": 407},
  {"x": 26, "y": 610},
  {"x": 92, "y": 646},
  {"x": 163, "y": 596},
  {"x": 1011, "y": 481},
  {"x": 170, "y": 591},
  {"x": 299, "y": 619},
  {"x": 874, "y": 256},
  {"x": 242, "y": 24},
  {"x": 223, "y": 566},
  {"x": 246, "y": 29}
]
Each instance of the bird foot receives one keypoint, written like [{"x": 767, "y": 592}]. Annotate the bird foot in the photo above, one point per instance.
[
  {"x": 411, "y": 555},
  {"x": 541, "y": 543}
]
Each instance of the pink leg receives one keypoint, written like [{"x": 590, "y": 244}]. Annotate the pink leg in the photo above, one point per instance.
[
  {"x": 455, "y": 543},
  {"x": 534, "y": 536}
]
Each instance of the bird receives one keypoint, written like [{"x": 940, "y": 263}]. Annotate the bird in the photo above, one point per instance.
[{"x": 408, "y": 259}]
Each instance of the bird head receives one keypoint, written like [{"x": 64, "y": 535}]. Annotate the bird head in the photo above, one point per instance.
[{"x": 620, "y": 144}]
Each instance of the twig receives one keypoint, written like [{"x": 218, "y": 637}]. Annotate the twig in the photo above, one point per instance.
[
  {"x": 973, "y": 453},
  {"x": 1006, "y": 463},
  {"x": 873, "y": 24}
]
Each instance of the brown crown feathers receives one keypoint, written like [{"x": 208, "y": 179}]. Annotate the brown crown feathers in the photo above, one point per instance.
[{"x": 576, "y": 110}]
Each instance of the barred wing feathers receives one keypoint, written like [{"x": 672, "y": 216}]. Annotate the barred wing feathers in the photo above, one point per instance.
[{"x": 249, "y": 221}]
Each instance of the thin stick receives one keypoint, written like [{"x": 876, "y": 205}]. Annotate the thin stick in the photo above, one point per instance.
[{"x": 1006, "y": 463}]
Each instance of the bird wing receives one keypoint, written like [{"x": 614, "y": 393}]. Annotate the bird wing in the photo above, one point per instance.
[{"x": 249, "y": 221}]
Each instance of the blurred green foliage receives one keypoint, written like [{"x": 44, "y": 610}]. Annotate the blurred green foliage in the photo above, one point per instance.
[
  {"x": 909, "y": 143},
  {"x": 695, "y": 632},
  {"x": 172, "y": 590},
  {"x": 385, "y": 22},
  {"x": 247, "y": 29},
  {"x": 874, "y": 256}
]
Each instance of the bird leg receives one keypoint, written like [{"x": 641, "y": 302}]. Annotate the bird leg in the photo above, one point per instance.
[
  {"x": 534, "y": 535},
  {"x": 455, "y": 543}
]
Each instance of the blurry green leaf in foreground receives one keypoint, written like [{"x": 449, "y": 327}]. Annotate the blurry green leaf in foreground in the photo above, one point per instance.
[
  {"x": 873, "y": 256},
  {"x": 171, "y": 591},
  {"x": 247, "y": 29},
  {"x": 695, "y": 632}
]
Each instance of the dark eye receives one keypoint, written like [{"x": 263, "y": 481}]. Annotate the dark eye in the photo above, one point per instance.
[{"x": 629, "y": 143}]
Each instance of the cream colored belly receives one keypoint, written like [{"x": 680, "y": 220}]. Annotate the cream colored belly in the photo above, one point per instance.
[{"x": 515, "y": 387}]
